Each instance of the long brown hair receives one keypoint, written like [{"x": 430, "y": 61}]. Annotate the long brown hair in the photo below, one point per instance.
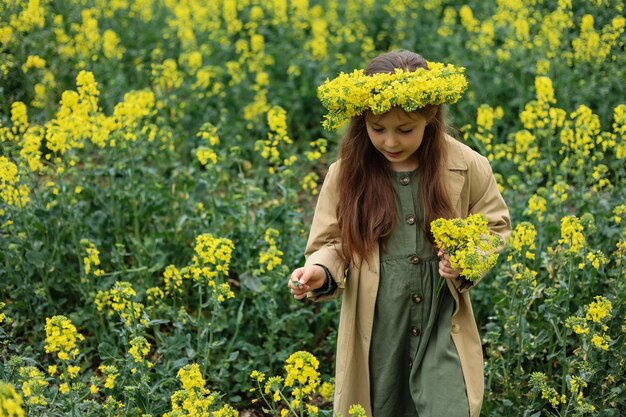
[{"x": 366, "y": 210}]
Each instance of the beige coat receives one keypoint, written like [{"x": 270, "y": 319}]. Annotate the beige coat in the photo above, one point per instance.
[{"x": 472, "y": 189}]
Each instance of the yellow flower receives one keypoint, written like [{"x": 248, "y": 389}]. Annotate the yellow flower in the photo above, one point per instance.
[
  {"x": 62, "y": 337},
  {"x": 571, "y": 234},
  {"x": 523, "y": 240},
  {"x": 110, "y": 373},
  {"x": 10, "y": 401},
  {"x": 214, "y": 251},
  {"x": 599, "y": 310},
  {"x": 349, "y": 95},
  {"x": 34, "y": 385},
  {"x": 601, "y": 341},
  {"x": 139, "y": 349},
  {"x": 469, "y": 244},
  {"x": 121, "y": 300},
  {"x": 301, "y": 368}
]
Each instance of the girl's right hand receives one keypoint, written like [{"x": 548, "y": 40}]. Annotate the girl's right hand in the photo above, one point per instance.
[{"x": 305, "y": 279}]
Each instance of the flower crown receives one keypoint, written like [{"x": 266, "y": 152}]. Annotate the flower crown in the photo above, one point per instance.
[{"x": 350, "y": 95}]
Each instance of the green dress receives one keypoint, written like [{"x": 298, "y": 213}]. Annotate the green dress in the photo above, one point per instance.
[{"x": 414, "y": 366}]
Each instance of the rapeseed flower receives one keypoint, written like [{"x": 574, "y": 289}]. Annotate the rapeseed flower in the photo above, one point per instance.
[
  {"x": 537, "y": 205},
  {"x": 33, "y": 61},
  {"x": 301, "y": 368},
  {"x": 601, "y": 341},
  {"x": 34, "y": 385},
  {"x": 11, "y": 191},
  {"x": 599, "y": 310},
  {"x": 194, "y": 399},
  {"x": 62, "y": 337},
  {"x": 110, "y": 373},
  {"x": 92, "y": 259},
  {"x": 309, "y": 183},
  {"x": 469, "y": 244},
  {"x": 572, "y": 235},
  {"x": 206, "y": 152},
  {"x": 272, "y": 256},
  {"x": 10, "y": 401},
  {"x": 121, "y": 300},
  {"x": 214, "y": 251},
  {"x": 139, "y": 348},
  {"x": 523, "y": 240},
  {"x": 349, "y": 95},
  {"x": 539, "y": 383}
]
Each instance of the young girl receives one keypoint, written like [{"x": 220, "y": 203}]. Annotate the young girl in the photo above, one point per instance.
[{"x": 403, "y": 349}]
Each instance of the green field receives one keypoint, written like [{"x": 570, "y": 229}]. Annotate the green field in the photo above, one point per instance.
[{"x": 159, "y": 167}]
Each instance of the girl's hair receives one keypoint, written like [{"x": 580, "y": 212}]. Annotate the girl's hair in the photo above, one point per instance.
[{"x": 366, "y": 210}]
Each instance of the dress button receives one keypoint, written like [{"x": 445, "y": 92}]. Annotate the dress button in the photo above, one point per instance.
[
  {"x": 417, "y": 298},
  {"x": 405, "y": 180},
  {"x": 456, "y": 328},
  {"x": 415, "y": 331},
  {"x": 414, "y": 259},
  {"x": 410, "y": 219}
]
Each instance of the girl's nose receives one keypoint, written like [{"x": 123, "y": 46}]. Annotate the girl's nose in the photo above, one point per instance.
[{"x": 391, "y": 140}]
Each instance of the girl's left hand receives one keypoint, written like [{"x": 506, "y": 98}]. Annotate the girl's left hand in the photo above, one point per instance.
[{"x": 445, "y": 269}]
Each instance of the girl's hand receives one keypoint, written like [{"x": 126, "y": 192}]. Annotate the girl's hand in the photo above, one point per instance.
[
  {"x": 305, "y": 279},
  {"x": 445, "y": 269}
]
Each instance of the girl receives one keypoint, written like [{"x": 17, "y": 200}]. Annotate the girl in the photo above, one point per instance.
[{"x": 403, "y": 349}]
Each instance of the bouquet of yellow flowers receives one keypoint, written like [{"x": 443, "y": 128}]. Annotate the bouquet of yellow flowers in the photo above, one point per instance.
[{"x": 468, "y": 243}]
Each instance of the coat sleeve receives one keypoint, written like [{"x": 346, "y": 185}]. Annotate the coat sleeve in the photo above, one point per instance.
[
  {"x": 485, "y": 198},
  {"x": 324, "y": 243}
]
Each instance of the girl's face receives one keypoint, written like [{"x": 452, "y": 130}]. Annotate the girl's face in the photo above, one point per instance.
[{"x": 397, "y": 135}]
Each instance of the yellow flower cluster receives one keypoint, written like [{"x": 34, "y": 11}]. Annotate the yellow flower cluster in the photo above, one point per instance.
[
  {"x": 523, "y": 240},
  {"x": 301, "y": 368},
  {"x": 92, "y": 259},
  {"x": 599, "y": 310},
  {"x": 121, "y": 300},
  {"x": 309, "y": 183},
  {"x": 194, "y": 399},
  {"x": 591, "y": 46},
  {"x": 62, "y": 337},
  {"x": 597, "y": 314},
  {"x": 10, "y": 401},
  {"x": 302, "y": 378},
  {"x": 576, "y": 388},
  {"x": 33, "y": 385},
  {"x": 469, "y": 244},
  {"x": 349, "y": 95},
  {"x": 76, "y": 120},
  {"x": 214, "y": 251},
  {"x": 272, "y": 257},
  {"x": 539, "y": 383},
  {"x": 173, "y": 279},
  {"x": 619, "y": 130},
  {"x": 11, "y": 192},
  {"x": 206, "y": 153},
  {"x": 110, "y": 373},
  {"x": 277, "y": 135},
  {"x": 485, "y": 117},
  {"x": 33, "y": 61},
  {"x": 524, "y": 273},
  {"x": 537, "y": 205},
  {"x": 4, "y": 319},
  {"x": 572, "y": 234},
  {"x": 139, "y": 348}
]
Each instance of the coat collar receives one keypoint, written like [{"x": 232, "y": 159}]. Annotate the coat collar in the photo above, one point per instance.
[
  {"x": 455, "y": 155},
  {"x": 455, "y": 180}
]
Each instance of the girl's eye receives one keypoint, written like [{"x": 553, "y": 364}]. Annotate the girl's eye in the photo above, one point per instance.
[
  {"x": 404, "y": 132},
  {"x": 377, "y": 129}
]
